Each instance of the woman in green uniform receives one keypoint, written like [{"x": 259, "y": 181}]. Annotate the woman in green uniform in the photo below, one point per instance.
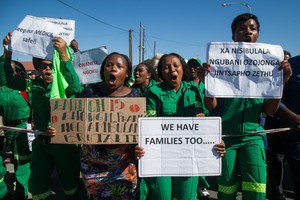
[
  {"x": 145, "y": 77},
  {"x": 46, "y": 156},
  {"x": 174, "y": 97}
]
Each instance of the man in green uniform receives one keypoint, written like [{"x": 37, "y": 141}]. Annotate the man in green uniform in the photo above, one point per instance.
[
  {"x": 15, "y": 112},
  {"x": 46, "y": 156},
  {"x": 240, "y": 116}
]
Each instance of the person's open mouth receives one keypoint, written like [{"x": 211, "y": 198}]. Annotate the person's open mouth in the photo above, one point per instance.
[
  {"x": 173, "y": 78},
  {"x": 111, "y": 79},
  {"x": 48, "y": 74}
]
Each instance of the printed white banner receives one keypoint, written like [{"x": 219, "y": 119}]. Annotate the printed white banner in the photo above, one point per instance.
[
  {"x": 87, "y": 64},
  {"x": 33, "y": 36},
  {"x": 244, "y": 70},
  {"x": 179, "y": 146}
]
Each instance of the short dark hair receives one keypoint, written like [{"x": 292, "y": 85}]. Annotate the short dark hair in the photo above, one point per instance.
[
  {"x": 185, "y": 67},
  {"x": 129, "y": 66},
  {"x": 241, "y": 18}
]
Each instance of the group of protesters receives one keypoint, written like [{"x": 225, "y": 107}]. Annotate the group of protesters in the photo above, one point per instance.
[{"x": 174, "y": 89}]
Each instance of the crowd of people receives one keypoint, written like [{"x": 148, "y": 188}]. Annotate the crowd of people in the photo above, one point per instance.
[{"x": 110, "y": 171}]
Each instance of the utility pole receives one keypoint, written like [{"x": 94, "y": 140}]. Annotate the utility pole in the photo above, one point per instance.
[
  {"x": 130, "y": 45},
  {"x": 143, "y": 44},
  {"x": 140, "y": 45},
  {"x": 154, "y": 49}
]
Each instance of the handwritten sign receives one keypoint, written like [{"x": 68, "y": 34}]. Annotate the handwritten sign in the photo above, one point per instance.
[
  {"x": 97, "y": 120},
  {"x": 244, "y": 70},
  {"x": 87, "y": 64},
  {"x": 179, "y": 146},
  {"x": 33, "y": 36}
]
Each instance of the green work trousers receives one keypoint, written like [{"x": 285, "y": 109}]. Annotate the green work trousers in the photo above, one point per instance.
[
  {"x": 46, "y": 156},
  {"x": 148, "y": 188},
  {"x": 248, "y": 159},
  {"x": 3, "y": 188},
  {"x": 202, "y": 183},
  {"x": 167, "y": 188},
  {"x": 22, "y": 157}
]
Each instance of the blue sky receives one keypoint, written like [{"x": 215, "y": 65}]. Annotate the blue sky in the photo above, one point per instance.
[{"x": 184, "y": 27}]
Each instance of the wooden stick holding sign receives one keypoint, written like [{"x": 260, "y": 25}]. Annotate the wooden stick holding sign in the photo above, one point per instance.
[
  {"x": 23, "y": 130},
  {"x": 276, "y": 130}
]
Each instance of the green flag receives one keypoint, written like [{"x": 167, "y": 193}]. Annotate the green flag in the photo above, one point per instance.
[{"x": 59, "y": 84}]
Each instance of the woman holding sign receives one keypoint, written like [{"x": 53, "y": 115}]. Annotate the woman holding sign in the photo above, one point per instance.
[
  {"x": 240, "y": 116},
  {"x": 46, "y": 156},
  {"x": 109, "y": 171},
  {"x": 176, "y": 96}
]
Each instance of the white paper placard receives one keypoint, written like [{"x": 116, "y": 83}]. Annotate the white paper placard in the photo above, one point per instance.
[
  {"x": 179, "y": 146},
  {"x": 87, "y": 64},
  {"x": 244, "y": 70}
]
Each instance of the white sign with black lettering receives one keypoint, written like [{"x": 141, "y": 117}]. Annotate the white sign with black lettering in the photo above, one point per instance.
[
  {"x": 34, "y": 35},
  {"x": 179, "y": 146},
  {"x": 244, "y": 70},
  {"x": 87, "y": 64}
]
